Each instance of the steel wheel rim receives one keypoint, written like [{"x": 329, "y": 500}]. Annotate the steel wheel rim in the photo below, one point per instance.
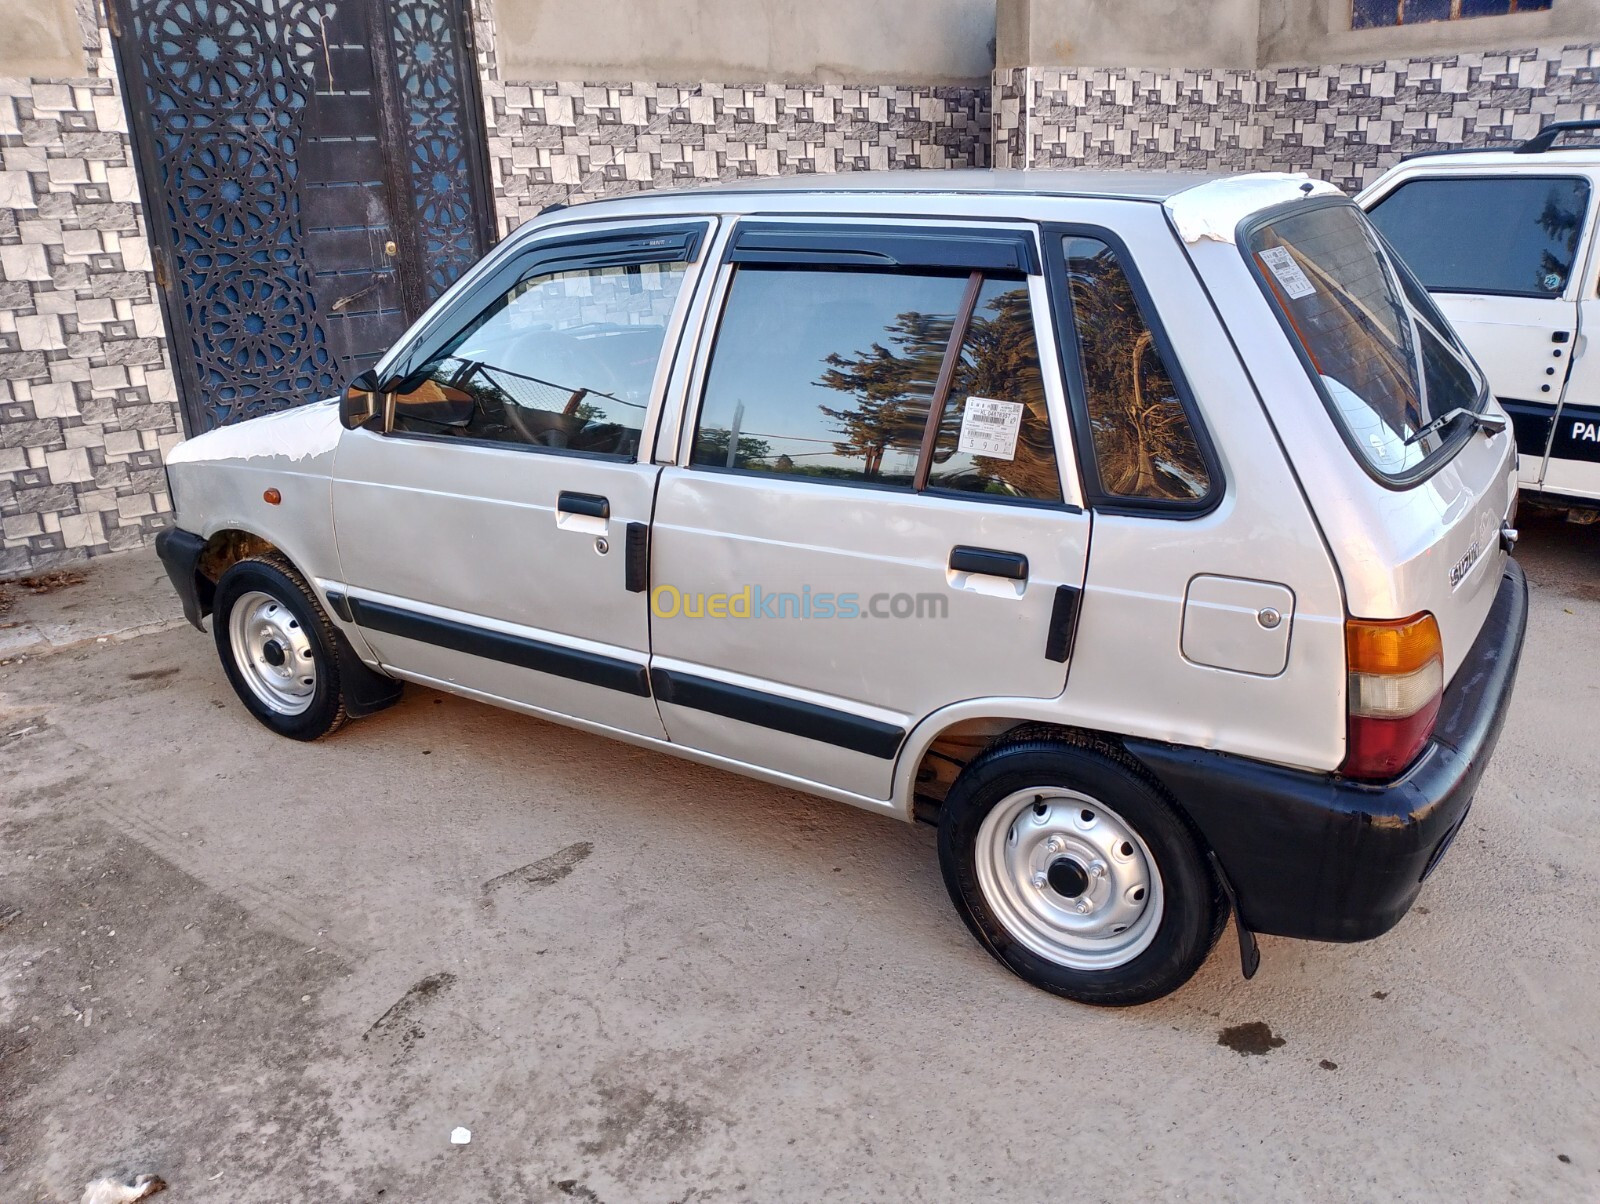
[
  {"x": 1069, "y": 878},
  {"x": 273, "y": 653}
]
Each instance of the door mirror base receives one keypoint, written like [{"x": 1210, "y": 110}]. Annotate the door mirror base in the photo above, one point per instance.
[{"x": 362, "y": 401}]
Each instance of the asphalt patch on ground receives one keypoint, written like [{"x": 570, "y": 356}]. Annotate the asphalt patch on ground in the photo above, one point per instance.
[
  {"x": 545, "y": 872},
  {"x": 1253, "y": 1039},
  {"x": 402, "y": 1023}
]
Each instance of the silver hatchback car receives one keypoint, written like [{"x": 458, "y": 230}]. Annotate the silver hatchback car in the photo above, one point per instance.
[{"x": 1148, "y": 534}]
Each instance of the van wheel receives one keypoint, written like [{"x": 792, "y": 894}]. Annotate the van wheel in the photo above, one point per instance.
[
  {"x": 278, "y": 648},
  {"x": 1073, "y": 868}
]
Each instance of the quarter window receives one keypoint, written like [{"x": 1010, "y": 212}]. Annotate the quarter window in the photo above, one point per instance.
[
  {"x": 564, "y": 360},
  {"x": 836, "y": 374},
  {"x": 1514, "y": 235},
  {"x": 1145, "y": 446}
]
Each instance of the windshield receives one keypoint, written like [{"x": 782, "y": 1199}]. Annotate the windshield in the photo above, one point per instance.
[{"x": 1385, "y": 362}]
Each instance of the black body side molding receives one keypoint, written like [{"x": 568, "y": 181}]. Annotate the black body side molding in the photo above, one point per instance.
[
  {"x": 805, "y": 719},
  {"x": 593, "y": 668}
]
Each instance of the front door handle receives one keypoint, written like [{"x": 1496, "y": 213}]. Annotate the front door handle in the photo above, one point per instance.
[
  {"x": 988, "y": 561},
  {"x": 590, "y": 505}
]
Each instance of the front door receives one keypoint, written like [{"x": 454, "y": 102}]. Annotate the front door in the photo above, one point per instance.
[
  {"x": 867, "y": 521},
  {"x": 1499, "y": 254},
  {"x": 492, "y": 536},
  {"x": 313, "y": 176}
]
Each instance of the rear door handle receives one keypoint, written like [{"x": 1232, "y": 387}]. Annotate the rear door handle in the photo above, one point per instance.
[
  {"x": 590, "y": 505},
  {"x": 1012, "y": 565}
]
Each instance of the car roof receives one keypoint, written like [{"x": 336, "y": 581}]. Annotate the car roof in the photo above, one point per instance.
[{"x": 1110, "y": 185}]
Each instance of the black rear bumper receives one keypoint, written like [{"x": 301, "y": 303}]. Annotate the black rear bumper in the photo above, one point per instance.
[{"x": 1324, "y": 858}]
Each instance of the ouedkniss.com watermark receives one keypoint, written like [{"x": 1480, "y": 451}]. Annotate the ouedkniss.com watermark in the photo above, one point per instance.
[{"x": 753, "y": 602}]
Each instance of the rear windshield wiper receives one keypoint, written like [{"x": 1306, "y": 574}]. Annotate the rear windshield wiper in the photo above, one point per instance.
[{"x": 1492, "y": 423}]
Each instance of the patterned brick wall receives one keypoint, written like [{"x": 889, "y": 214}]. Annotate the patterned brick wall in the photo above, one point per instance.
[
  {"x": 564, "y": 142},
  {"x": 1344, "y": 123},
  {"x": 88, "y": 403}
]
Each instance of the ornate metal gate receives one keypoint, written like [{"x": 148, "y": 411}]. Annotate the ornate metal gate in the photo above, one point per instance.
[{"x": 314, "y": 176}]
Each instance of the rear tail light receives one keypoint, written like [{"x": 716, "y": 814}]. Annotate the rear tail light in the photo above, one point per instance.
[{"x": 1396, "y": 684}]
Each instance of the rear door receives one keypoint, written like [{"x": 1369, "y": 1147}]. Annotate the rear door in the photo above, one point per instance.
[
  {"x": 1499, "y": 253},
  {"x": 492, "y": 532},
  {"x": 866, "y": 520}
]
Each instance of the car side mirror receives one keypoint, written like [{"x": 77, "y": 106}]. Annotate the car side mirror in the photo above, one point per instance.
[{"x": 361, "y": 401}]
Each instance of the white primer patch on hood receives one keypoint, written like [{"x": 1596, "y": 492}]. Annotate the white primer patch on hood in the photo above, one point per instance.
[
  {"x": 1214, "y": 209},
  {"x": 294, "y": 434}
]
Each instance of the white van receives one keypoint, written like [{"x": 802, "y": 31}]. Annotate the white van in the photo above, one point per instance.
[
  {"x": 1147, "y": 534},
  {"x": 1504, "y": 240}
]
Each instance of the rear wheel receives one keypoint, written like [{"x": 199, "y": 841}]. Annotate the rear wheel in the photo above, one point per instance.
[
  {"x": 1077, "y": 873},
  {"x": 278, "y": 648}
]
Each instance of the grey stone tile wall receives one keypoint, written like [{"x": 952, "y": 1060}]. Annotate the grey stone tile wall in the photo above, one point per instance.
[
  {"x": 1344, "y": 123},
  {"x": 560, "y": 142},
  {"x": 564, "y": 142},
  {"x": 88, "y": 404}
]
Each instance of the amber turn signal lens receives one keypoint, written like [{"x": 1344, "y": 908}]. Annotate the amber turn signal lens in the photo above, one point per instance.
[
  {"x": 272, "y": 497},
  {"x": 1401, "y": 646}
]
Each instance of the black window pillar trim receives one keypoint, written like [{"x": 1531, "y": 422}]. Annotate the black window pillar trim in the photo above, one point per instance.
[{"x": 1070, "y": 356}]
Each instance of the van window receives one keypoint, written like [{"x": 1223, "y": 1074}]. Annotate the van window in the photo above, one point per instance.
[
  {"x": 564, "y": 360},
  {"x": 831, "y": 373},
  {"x": 1511, "y": 235},
  {"x": 1385, "y": 367},
  {"x": 1145, "y": 446}
]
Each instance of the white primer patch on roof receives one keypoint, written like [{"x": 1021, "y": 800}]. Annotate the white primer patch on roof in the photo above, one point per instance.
[
  {"x": 296, "y": 434},
  {"x": 1214, "y": 210}
]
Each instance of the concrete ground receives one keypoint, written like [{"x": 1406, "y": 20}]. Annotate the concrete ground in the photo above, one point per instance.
[{"x": 275, "y": 972}]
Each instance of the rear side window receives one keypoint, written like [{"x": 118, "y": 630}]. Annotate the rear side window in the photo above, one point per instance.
[
  {"x": 997, "y": 379},
  {"x": 1385, "y": 364},
  {"x": 1511, "y": 235},
  {"x": 850, "y": 374},
  {"x": 1145, "y": 446}
]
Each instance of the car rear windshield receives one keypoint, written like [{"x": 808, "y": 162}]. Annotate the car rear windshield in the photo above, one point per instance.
[{"x": 1386, "y": 363}]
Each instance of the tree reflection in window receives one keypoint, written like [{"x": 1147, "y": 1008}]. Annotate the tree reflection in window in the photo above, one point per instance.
[
  {"x": 1145, "y": 447},
  {"x": 999, "y": 360},
  {"x": 792, "y": 341}
]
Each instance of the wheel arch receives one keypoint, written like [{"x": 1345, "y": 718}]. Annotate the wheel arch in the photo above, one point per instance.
[{"x": 941, "y": 745}]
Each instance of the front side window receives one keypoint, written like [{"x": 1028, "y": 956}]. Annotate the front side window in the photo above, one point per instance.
[
  {"x": 1383, "y": 359},
  {"x": 1509, "y": 235},
  {"x": 1145, "y": 445},
  {"x": 563, "y": 360},
  {"x": 837, "y": 373}
]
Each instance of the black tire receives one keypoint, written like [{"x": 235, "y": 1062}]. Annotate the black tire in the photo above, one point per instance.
[
  {"x": 272, "y": 575},
  {"x": 1194, "y": 908}
]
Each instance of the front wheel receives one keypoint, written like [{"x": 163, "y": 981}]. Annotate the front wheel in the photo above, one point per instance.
[
  {"x": 278, "y": 648},
  {"x": 1077, "y": 873}
]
